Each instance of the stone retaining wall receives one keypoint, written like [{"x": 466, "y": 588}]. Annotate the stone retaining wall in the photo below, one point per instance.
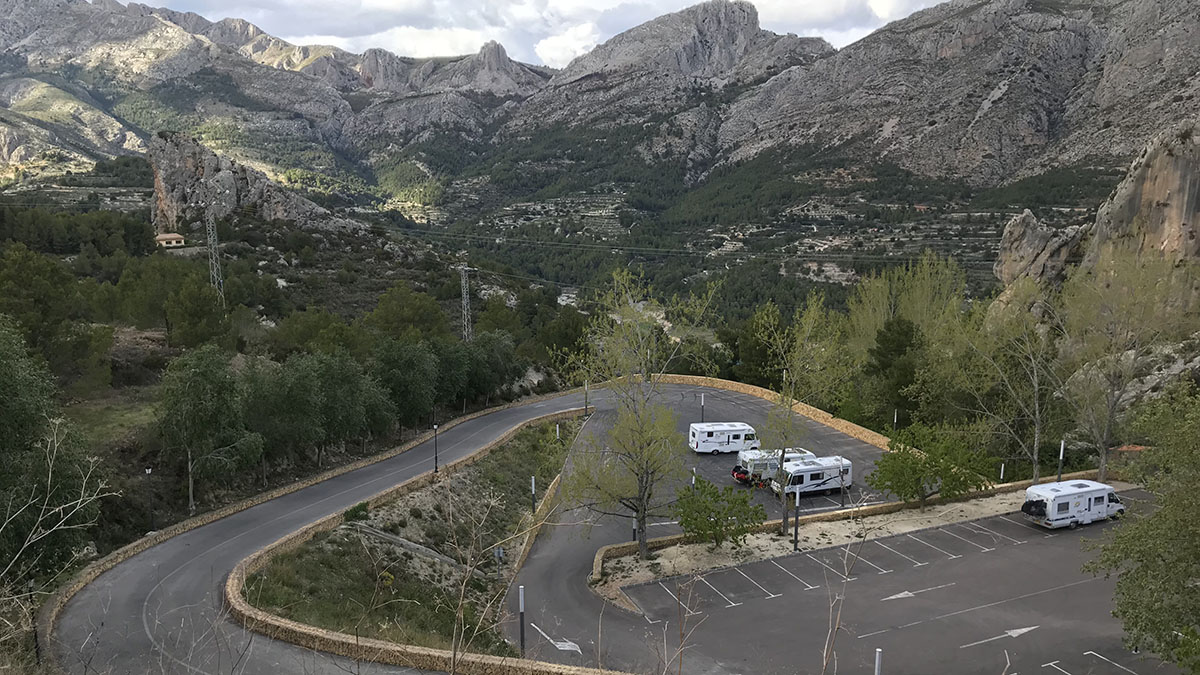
[
  {"x": 379, "y": 651},
  {"x": 48, "y": 614},
  {"x": 815, "y": 414},
  {"x": 628, "y": 548}
]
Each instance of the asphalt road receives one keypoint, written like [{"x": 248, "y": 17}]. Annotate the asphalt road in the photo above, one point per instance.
[
  {"x": 992, "y": 596},
  {"x": 566, "y": 622},
  {"x": 161, "y": 611}
]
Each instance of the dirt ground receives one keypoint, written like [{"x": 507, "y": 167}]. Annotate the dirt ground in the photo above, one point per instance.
[{"x": 699, "y": 558}]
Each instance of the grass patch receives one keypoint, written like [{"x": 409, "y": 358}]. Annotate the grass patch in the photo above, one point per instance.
[
  {"x": 367, "y": 585},
  {"x": 116, "y": 416}
]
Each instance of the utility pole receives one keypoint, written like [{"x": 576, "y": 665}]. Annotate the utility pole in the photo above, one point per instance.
[
  {"x": 467, "y": 329},
  {"x": 215, "y": 277}
]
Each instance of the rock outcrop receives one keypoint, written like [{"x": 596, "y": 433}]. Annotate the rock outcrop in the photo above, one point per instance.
[
  {"x": 1030, "y": 248},
  {"x": 1155, "y": 210},
  {"x": 193, "y": 184},
  {"x": 1157, "y": 207}
]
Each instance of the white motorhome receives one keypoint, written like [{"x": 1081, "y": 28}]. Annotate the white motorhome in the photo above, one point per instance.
[
  {"x": 1071, "y": 503},
  {"x": 824, "y": 475},
  {"x": 718, "y": 437},
  {"x": 755, "y": 466}
]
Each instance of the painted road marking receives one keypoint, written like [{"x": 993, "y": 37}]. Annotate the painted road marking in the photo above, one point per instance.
[
  {"x": 994, "y": 604},
  {"x": 914, "y": 562},
  {"x": 769, "y": 593},
  {"x": 843, "y": 576},
  {"x": 1029, "y": 526},
  {"x": 859, "y": 557},
  {"x": 977, "y": 526},
  {"x": 1110, "y": 661},
  {"x": 982, "y": 548},
  {"x": 561, "y": 645},
  {"x": 1012, "y": 633},
  {"x": 909, "y": 594},
  {"x": 1054, "y": 665},
  {"x": 685, "y": 607},
  {"x": 731, "y": 604},
  {"x": 643, "y": 612},
  {"x": 809, "y": 586},
  {"x": 878, "y": 632},
  {"x": 952, "y": 556}
]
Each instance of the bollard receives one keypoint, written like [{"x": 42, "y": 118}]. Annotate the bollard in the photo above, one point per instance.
[
  {"x": 521, "y": 600},
  {"x": 878, "y": 661}
]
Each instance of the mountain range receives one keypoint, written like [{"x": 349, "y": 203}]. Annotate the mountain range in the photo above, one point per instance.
[{"x": 983, "y": 90}]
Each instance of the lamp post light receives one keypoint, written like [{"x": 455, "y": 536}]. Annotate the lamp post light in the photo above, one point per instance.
[{"x": 435, "y": 453}]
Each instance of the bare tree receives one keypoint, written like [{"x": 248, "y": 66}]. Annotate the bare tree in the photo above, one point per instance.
[
  {"x": 58, "y": 497},
  {"x": 628, "y": 348}
]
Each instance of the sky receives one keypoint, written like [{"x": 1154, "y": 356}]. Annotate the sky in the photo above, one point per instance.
[{"x": 549, "y": 32}]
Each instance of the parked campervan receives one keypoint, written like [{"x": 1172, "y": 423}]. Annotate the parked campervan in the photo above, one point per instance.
[
  {"x": 718, "y": 437},
  {"x": 814, "y": 475},
  {"x": 754, "y": 467},
  {"x": 1071, "y": 503}
]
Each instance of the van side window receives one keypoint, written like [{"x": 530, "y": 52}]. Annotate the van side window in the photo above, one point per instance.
[
  {"x": 816, "y": 476},
  {"x": 797, "y": 479},
  {"x": 750, "y": 437},
  {"x": 1063, "y": 507},
  {"x": 1099, "y": 501},
  {"x": 737, "y": 437},
  {"x": 1112, "y": 499}
]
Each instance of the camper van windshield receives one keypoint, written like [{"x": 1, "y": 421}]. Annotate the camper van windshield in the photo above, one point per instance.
[{"x": 751, "y": 437}]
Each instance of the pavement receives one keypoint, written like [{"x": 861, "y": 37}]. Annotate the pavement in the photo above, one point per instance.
[
  {"x": 996, "y": 595},
  {"x": 566, "y": 622},
  {"x": 161, "y": 611}
]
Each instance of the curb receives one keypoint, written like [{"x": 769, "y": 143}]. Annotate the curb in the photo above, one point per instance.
[
  {"x": 48, "y": 613},
  {"x": 378, "y": 651},
  {"x": 629, "y": 548}
]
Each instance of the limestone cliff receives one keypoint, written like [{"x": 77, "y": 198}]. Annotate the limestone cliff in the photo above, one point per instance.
[
  {"x": 192, "y": 184},
  {"x": 1031, "y": 248},
  {"x": 1157, "y": 206}
]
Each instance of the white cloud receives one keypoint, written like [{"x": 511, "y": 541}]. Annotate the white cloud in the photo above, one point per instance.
[{"x": 558, "y": 50}]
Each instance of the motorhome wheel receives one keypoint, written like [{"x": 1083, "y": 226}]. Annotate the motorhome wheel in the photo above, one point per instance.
[{"x": 1074, "y": 524}]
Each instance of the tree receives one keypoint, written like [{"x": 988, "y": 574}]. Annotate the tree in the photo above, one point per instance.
[
  {"x": 409, "y": 373},
  {"x": 353, "y": 406},
  {"x": 716, "y": 515},
  {"x": 1114, "y": 320},
  {"x": 999, "y": 366},
  {"x": 201, "y": 417},
  {"x": 1156, "y": 552},
  {"x": 497, "y": 315},
  {"x": 39, "y": 293},
  {"x": 49, "y": 489},
  {"x": 405, "y": 313},
  {"x": 627, "y": 348},
  {"x": 195, "y": 314},
  {"x": 922, "y": 461},
  {"x": 893, "y": 362}
]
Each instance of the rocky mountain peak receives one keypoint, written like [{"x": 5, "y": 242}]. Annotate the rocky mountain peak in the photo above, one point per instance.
[{"x": 703, "y": 41}]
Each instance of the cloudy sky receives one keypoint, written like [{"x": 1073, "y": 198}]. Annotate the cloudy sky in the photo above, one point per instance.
[{"x": 551, "y": 32}]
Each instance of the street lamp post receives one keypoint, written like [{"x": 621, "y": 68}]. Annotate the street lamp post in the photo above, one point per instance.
[
  {"x": 435, "y": 453},
  {"x": 149, "y": 469}
]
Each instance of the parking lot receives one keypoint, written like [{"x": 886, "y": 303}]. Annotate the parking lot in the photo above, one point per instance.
[
  {"x": 810, "y": 435},
  {"x": 996, "y": 595}
]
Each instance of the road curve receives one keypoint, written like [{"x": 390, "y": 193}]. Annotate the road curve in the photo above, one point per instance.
[{"x": 161, "y": 611}]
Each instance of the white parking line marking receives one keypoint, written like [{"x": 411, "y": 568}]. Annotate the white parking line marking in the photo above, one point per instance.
[
  {"x": 878, "y": 632},
  {"x": 1002, "y": 536},
  {"x": 809, "y": 586},
  {"x": 952, "y": 556},
  {"x": 769, "y": 593},
  {"x": 1039, "y": 530},
  {"x": 1112, "y": 662},
  {"x": 731, "y": 604},
  {"x": 859, "y": 557},
  {"x": 914, "y": 562},
  {"x": 843, "y": 576},
  {"x": 982, "y": 548},
  {"x": 643, "y": 612},
  {"x": 685, "y": 607},
  {"x": 1054, "y": 665}
]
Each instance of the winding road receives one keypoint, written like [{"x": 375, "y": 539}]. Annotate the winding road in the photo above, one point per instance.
[{"x": 161, "y": 611}]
